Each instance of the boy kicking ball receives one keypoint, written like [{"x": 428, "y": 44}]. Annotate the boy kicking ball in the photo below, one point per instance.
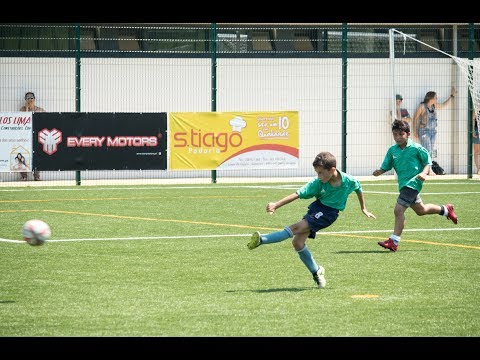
[{"x": 331, "y": 188}]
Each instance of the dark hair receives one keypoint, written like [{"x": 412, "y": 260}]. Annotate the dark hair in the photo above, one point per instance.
[
  {"x": 429, "y": 96},
  {"x": 401, "y": 125},
  {"x": 29, "y": 93},
  {"x": 325, "y": 160}
]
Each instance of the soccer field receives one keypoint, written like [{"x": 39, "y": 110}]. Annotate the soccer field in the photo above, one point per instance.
[{"x": 172, "y": 261}]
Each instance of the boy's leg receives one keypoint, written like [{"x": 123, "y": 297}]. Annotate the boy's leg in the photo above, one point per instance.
[
  {"x": 399, "y": 212},
  {"x": 319, "y": 277},
  {"x": 450, "y": 214},
  {"x": 318, "y": 217},
  {"x": 307, "y": 258},
  {"x": 443, "y": 210},
  {"x": 405, "y": 199},
  {"x": 411, "y": 198},
  {"x": 392, "y": 242},
  {"x": 277, "y": 236},
  {"x": 256, "y": 240},
  {"x": 317, "y": 271}
]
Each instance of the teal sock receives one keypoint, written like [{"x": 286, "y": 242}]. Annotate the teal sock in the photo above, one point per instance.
[
  {"x": 307, "y": 258},
  {"x": 277, "y": 236}
]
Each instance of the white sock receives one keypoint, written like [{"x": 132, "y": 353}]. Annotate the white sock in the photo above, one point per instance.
[
  {"x": 395, "y": 238},
  {"x": 444, "y": 210}
]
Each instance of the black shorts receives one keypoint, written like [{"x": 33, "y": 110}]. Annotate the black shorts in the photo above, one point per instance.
[
  {"x": 319, "y": 216},
  {"x": 408, "y": 196}
]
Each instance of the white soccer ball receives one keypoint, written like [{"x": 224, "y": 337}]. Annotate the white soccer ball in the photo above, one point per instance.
[{"x": 36, "y": 232}]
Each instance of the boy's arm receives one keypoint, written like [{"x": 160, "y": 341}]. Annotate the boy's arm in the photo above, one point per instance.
[
  {"x": 386, "y": 165},
  {"x": 272, "y": 206},
  {"x": 424, "y": 174},
  {"x": 361, "y": 200},
  {"x": 426, "y": 159}
]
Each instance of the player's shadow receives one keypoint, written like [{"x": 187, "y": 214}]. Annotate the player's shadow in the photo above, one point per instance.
[
  {"x": 275, "y": 290},
  {"x": 7, "y": 302},
  {"x": 370, "y": 251},
  {"x": 361, "y": 252}
]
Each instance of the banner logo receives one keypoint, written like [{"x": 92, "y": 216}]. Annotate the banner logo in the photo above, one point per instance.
[
  {"x": 234, "y": 141},
  {"x": 50, "y": 139}
]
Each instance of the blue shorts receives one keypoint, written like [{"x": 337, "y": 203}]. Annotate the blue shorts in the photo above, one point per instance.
[{"x": 319, "y": 216}]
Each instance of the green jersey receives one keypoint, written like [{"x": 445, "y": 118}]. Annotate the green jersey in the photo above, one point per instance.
[
  {"x": 335, "y": 197},
  {"x": 408, "y": 163}
]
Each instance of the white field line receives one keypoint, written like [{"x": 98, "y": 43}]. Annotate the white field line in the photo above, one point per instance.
[
  {"x": 424, "y": 193},
  {"x": 236, "y": 235},
  {"x": 210, "y": 186}
]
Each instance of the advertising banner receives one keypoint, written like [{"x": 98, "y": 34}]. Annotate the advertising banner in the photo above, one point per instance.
[
  {"x": 15, "y": 141},
  {"x": 100, "y": 141},
  {"x": 233, "y": 140}
]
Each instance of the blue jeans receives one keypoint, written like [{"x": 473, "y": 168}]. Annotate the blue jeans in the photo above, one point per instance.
[{"x": 427, "y": 139}]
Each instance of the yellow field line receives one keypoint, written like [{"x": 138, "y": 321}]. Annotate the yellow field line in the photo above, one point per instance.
[
  {"x": 154, "y": 219},
  {"x": 239, "y": 226}
]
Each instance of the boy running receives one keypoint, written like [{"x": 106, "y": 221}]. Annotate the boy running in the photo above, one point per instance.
[{"x": 411, "y": 162}]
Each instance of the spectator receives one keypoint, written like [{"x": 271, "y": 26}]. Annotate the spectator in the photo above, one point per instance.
[
  {"x": 402, "y": 113},
  {"x": 30, "y": 106},
  {"x": 424, "y": 126},
  {"x": 476, "y": 142}
]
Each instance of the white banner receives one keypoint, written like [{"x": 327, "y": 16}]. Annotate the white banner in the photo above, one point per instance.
[{"x": 15, "y": 141}]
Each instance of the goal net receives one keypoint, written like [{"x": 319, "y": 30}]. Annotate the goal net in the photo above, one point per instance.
[
  {"x": 416, "y": 72},
  {"x": 401, "y": 42},
  {"x": 471, "y": 70}
]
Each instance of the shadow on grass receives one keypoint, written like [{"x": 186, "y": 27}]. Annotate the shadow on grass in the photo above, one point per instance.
[
  {"x": 275, "y": 290},
  {"x": 372, "y": 251},
  {"x": 7, "y": 302}
]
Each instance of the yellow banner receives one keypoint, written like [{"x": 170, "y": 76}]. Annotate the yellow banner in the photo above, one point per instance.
[{"x": 233, "y": 141}]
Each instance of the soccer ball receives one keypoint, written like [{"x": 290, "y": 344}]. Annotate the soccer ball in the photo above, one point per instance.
[{"x": 36, "y": 232}]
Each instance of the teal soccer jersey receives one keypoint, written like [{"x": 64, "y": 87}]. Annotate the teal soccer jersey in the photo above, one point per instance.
[
  {"x": 408, "y": 163},
  {"x": 335, "y": 197}
]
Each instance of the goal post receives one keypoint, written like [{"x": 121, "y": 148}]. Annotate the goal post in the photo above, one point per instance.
[{"x": 391, "y": 37}]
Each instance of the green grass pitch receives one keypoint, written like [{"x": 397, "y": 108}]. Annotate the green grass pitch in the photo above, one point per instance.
[{"x": 169, "y": 261}]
